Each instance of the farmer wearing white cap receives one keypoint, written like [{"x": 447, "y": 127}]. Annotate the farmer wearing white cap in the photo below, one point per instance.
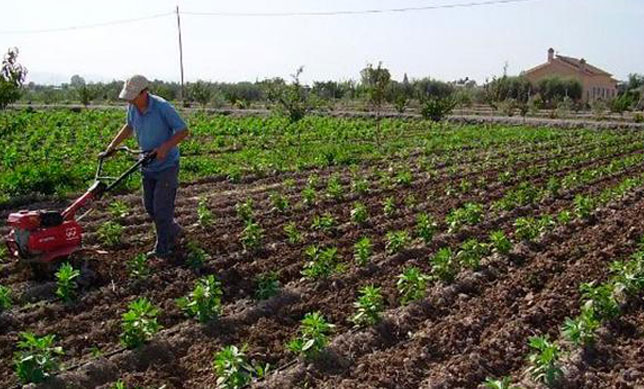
[{"x": 157, "y": 126}]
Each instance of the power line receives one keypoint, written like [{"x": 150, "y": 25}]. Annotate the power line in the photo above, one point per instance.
[
  {"x": 269, "y": 14},
  {"x": 88, "y": 26},
  {"x": 357, "y": 12}
]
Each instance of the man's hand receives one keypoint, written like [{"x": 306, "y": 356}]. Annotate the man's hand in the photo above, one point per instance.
[{"x": 161, "y": 152}]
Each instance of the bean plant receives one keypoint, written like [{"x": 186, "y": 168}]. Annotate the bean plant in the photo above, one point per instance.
[
  {"x": 500, "y": 243},
  {"x": 581, "y": 330},
  {"x": 293, "y": 235},
  {"x": 444, "y": 265},
  {"x": 469, "y": 214},
  {"x": 309, "y": 195},
  {"x": 321, "y": 263},
  {"x": 66, "y": 282},
  {"x": 360, "y": 186},
  {"x": 334, "y": 188},
  {"x": 503, "y": 383},
  {"x": 204, "y": 215},
  {"x": 252, "y": 236},
  {"x": 412, "y": 285},
  {"x": 544, "y": 361},
  {"x": 362, "y": 251},
  {"x": 204, "y": 302},
  {"x": 280, "y": 202},
  {"x": 36, "y": 358},
  {"x": 268, "y": 285},
  {"x": 368, "y": 307},
  {"x": 583, "y": 206},
  {"x": 110, "y": 233},
  {"x": 139, "y": 323},
  {"x": 389, "y": 206},
  {"x": 314, "y": 331},
  {"x": 471, "y": 253},
  {"x": 359, "y": 213},
  {"x": 425, "y": 227},
  {"x": 324, "y": 223},
  {"x": 137, "y": 267},
  {"x": 118, "y": 209},
  {"x": 245, "y": 210},
  {"x": 397, "y": 241},
  {"x": 196, "y": 256},
  {"x": 6, "y": 300},
  {"x": 232, "y": 369}
]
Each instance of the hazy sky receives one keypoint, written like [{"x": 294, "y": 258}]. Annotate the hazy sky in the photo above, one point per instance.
[{"x": 446, "y": 44}]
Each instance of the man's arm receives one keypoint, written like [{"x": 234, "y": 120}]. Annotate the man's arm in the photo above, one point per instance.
[
  {"x": 178, "y": 136},
  {"x": 124, "y": 133}
]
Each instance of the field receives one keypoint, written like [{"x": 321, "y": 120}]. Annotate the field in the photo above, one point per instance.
[{"x": 479, "y": 238}]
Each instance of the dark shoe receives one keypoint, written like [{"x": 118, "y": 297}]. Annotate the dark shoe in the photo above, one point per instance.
[
  {"x": 179, "y": 238},
  {"x": 154, "y": 254}
]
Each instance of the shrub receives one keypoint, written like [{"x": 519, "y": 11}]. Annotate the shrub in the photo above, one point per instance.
[
  {"x": 204, "y": 302},
  {"x": 437, "y": 108},
  {"x": 314, "y": 331},
  {"x": 37, "y": 357},
  {"x": 368, "y": 307},
  {"x": 139, "y": 323}
]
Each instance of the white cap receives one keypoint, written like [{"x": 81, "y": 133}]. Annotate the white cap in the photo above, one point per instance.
[{"x": 133, "y": 86}]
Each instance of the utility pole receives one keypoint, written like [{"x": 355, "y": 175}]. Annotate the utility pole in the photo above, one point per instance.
[{"x": 180, "y": 54}]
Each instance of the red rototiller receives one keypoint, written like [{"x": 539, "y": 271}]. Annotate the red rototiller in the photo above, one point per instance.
[{"x": 41, "y": 237}]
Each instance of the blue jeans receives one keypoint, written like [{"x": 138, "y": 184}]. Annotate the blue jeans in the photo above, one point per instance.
[{"x": 159, "y": 193}]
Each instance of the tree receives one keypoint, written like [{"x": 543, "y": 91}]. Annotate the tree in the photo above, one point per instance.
[
  {"x": 200, "y": 92},
  {"x": 12, "y": 76},
  {"x": 77, "y": 81},
  {"x": 293, "y": 99},
  {"x": 375, "y": 81}
]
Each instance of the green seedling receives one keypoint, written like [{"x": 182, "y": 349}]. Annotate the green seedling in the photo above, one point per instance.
[
  {"x": 397, "y": 241},
  {"x": 314, "y": 331},
  {"x": 292, "y": 234},
  {"x": 362, "y": 251},
  {"x": 204, "y": 302},
  {"x": 268, "y": 285},
  {"x": 66, "y": 282},
  {"x": 204, "y": 215},
  {"x": 412, "y": 285},
  {"x": 139, "y": 323},
  {"x": 36, "y": 358},
  {"x": 110, "y": 233},
  {"x": 137, "y": 267},
  {"x": 359, "y": 213},
  {"x": 368, "y": 307},
  {"x": 425, "y": 227}
]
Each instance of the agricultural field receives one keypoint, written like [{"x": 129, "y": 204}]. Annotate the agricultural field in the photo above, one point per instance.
[{"x": 327, "y": 254}]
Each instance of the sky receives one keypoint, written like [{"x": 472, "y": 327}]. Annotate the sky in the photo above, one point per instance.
[{"x": 446, "y": 44}]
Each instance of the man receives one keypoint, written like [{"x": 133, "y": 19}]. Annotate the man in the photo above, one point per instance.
[{"x": 159, "y": 128}]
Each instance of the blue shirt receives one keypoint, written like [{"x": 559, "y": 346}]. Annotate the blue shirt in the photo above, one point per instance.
[{"x": 158, "y": 123}]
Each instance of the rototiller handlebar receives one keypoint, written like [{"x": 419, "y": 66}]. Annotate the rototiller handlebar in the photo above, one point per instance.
[{"x": 41, "y": 236}]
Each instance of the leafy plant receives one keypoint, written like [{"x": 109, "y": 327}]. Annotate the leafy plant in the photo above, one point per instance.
[
  {"x": 362, "y": 251},
  {"x": 309, "y": 195},
  {"x": 526, "y": 228},
  {"x": 252, "y": 236},
  {"x": 37, "y": 357},
  {"x": 564, "y": 217},
  {"x": 323, "y": 223},
  {"x": 500, "y": 242},
  {"x": 118, "y": 209},
  {"x": 583, "y": 206},
  {"x": 359, "y": 213},
  {"x": 581, "y": 330},
  {"x": 425, "y": 227},
  {"x": 110, "y": 233},
  {"x": 444, "y": 265},
  {"x": 5, "y": 298},
  {"x": 360, "y": 186},
  {"x": 412, "y": 285},
  {"x": 436, "y": 108},
  {"x": 204, "y": 302},
  {"x": 404, "y": 178},
  {"x": 334, "y": 188},
  {"x": 268, "y": 285},
  {"x": 233, "y": 370},
  {"x": 389, "y": 206},
  {"x": 66, "y": 282},
  {"x": 204, "y": 215},
  {"x": 410, "y": 202},
  {"x": 245, "y": 210},
  {"x": 544, "y": 361},
  {"x": 279, "y": 201},
  {"x": 397, "y": 241},
  {"x": 503, "y": 383},
  {"x": 293, "y": 235},
  {"x": 139, "y": 323},
  {"x": 600, "y": 300},
  {"x": 368, "y": 307},
  {"x": 471, "y": 253},
  {"x": 321, "y": 263},
  {"x": 137, "y": 267},
  {"x": 314, "y": 331},
  {"x": 469, "y": 214},
  {"x": 196, "y": 256}
]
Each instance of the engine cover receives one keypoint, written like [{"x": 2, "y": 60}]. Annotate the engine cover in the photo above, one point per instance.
[{"x": 43, "y": 241}]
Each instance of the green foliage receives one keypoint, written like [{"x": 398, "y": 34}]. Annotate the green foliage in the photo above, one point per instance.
[
  {"x": 279, "y": 201},
  {"x": 628, "y": 276},
  {"x": 360, "y": 186},
  {"x": 500, "y": 242},
  {"x": 324, "y": 223},
  {"x": 437, "y": 108},
  {"x": 139, "y": 323},
  {"x": 412, "y": 285},
  {"x": 544, "y": 361},
  {"x": 314, "y": 331},
  {"x": 204, "y": 215},
  {"x": 137, "y": 267},
  {"x": 375, "y": 81},
  {"x": 526, "y": 228},
  {"x": 362, "y": 251},
  {"x": 66, "y": 282},
  {"x": 118, "y": 209},
  {"x": 397, "y": 241},
  {"x": 554, "y": 89},
  {"x": 581, "y": 330},
  {"x": 200, "y": 92},
  {"x": 368, "y": 307},
  {"x": 600, "y": 300},
  {"x": 444, "y": 265},
  {"x": 564, "y": 217},
  {"x": 503, "y": 383},
  {"x": 196, "y": 256},
  {"x": 233, "y": 370},
  {"x": 583, "y": 206},
  {"x": 204, "y": 302},
  {"x": 404, "y": 178},
  {"x": 252, "y": 236},
  {"x": 425, "y": 227},
  {"x": 292, "y": 100},
  {"x": 268, "y": 285},
  {"x": 389, "y": 206},
  {"x": 334, "y": 188},
  {"x": 471, "y": 253},
  {"x": 119, "y": 385},
  {"x": 359, "y": 213},
  {"x": 36, "y": 358},
  {"x": 245, "y": 210},
  {"x": 309, "y": 195},
  {"x": 469, "y": 214},
  {"x": 6, "y": 300},
  {"x": 321, "y": 263},
  {"x": 110, "y": 233},
  {"x": 293, "y": 235}
]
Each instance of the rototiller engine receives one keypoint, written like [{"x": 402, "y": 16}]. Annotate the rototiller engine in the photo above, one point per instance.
[{"x": 42, "y": 236}]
